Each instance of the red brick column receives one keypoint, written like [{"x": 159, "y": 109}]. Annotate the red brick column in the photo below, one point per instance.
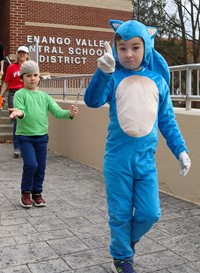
[
  {"x": 18, "y": 13},
  {"x": 5, "y": 24}
]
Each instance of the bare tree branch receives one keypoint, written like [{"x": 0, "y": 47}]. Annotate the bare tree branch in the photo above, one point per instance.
[{"x": 181, "y": 26}]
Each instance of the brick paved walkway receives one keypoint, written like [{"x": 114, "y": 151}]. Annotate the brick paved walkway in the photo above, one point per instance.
[{"x": 71, "y": 234}]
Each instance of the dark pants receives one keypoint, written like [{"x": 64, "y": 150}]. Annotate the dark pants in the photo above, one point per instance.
[
  {"x": 11, "y": 94},
  {"x": 34, "y": 152}
]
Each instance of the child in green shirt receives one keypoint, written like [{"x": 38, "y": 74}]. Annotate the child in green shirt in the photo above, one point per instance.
[{"x": 31, "y": 107}]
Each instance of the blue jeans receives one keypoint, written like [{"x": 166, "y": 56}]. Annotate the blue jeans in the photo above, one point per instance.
[
  {"x": 34, "y": 153},
  {"x": 11, "y": 94},
  {"x": 15, "y": 137}
]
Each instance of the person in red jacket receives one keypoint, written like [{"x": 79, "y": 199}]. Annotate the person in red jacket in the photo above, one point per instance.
[{"x": 12, "y": 83}]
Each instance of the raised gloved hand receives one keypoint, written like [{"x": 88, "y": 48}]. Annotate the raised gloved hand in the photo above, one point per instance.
[
  {"x": 185, "y": 163},
  {"x": 107, "y": 62}
]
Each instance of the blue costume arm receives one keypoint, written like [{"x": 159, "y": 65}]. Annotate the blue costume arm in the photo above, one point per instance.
[
  {"x": 168, "y": 125},
  {"x": 98, "y": 91}
]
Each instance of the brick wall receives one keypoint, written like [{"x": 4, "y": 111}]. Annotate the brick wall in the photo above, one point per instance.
[
  {"x": 5, "y": 24},
  {"x": 53, "y": 13},
  {"x": 18, "y": 9},
  {"x": 78, "y": 31}
]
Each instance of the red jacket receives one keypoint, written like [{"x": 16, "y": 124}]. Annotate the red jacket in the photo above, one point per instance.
[{"x": 12, "y": 77}]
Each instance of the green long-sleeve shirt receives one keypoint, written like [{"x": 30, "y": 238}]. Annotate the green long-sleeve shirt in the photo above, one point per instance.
[{"x": 35, "y": 106}]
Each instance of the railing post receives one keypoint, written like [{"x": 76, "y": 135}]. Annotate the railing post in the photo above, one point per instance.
[
  {"x": 172, "y": 82},
  {"x": 65, "y": 89},
  {"x": 36, "y": 50},
  {"x": 188, "y": 88}
]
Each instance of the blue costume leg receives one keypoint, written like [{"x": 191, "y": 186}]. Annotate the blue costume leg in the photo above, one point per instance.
[
  {"x": 132, "y": 197},
  {"x": 119, "y": 191},
  {"x": 146, "y": 202}
]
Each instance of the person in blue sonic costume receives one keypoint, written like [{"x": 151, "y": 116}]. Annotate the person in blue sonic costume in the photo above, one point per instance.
[{"x": 135, "y": 84}]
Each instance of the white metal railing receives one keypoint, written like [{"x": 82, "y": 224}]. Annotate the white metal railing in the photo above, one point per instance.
[
  {"x": 65, "y": 87},
  {"x": 185, "y": 85}
]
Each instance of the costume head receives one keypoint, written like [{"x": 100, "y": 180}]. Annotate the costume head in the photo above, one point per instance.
[
  {"x": 29, "y": 67},
  {"x": 152, "y": 59}
]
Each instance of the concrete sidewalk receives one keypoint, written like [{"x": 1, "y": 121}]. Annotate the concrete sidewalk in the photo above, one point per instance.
[{"x": 71, "y": 234}]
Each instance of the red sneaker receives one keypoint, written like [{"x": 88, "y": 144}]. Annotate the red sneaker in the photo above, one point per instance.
[
  {"x": 38, "y": 201},
  {"x": 26, "y": 200}
]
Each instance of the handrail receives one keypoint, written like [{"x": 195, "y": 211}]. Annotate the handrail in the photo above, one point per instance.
[
  {"x": 185, "y": 84},
  {"x": 184, "y": 89},
  {"x": 66, "y": 87},
  {"x": 184, "y": 66}
]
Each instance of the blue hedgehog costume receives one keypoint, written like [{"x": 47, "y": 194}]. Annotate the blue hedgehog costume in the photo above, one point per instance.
[{"x": 140, "y": 104}]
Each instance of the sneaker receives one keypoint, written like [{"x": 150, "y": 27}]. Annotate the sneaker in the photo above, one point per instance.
[
  {"x": 17, "y": 153},
  {"x": 26, "y": 200},
  {"x": 122, "y": 266},
  {"x": 38, "y": 201}
]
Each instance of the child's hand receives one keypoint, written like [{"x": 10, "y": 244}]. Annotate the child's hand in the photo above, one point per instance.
[
  {"x": 73, "y": 111},
  {"x": 107, "y": 62},
  {"x": 15, "y": 113},
  {"x": 185, "y": 163}
]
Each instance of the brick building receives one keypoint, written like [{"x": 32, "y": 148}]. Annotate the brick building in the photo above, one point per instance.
[{"x": 71, "y": 33}]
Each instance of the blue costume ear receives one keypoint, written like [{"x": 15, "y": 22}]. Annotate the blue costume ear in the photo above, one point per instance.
[
  {"x": 153, "y": 32},
  {"x": 115, "y": 24}
]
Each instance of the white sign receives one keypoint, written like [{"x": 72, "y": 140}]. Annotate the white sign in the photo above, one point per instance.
[{"x": 66, "y": 50}]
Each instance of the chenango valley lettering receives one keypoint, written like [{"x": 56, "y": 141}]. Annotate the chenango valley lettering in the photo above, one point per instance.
[{"x": 65, "y": 50}]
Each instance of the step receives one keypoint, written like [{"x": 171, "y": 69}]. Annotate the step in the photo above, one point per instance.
[
  {"x": 4, "y": 113},
  {"x": 6, "y": 128},
  {"x": 5, "y": 120},
  {"x": 8, "y": 134},
  {"x": 6, "y": 137}
]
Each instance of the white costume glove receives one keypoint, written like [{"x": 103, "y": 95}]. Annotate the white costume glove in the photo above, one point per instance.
[
  {"x": 107, "y": 62},
  {"x": 185, "y": 163}
]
